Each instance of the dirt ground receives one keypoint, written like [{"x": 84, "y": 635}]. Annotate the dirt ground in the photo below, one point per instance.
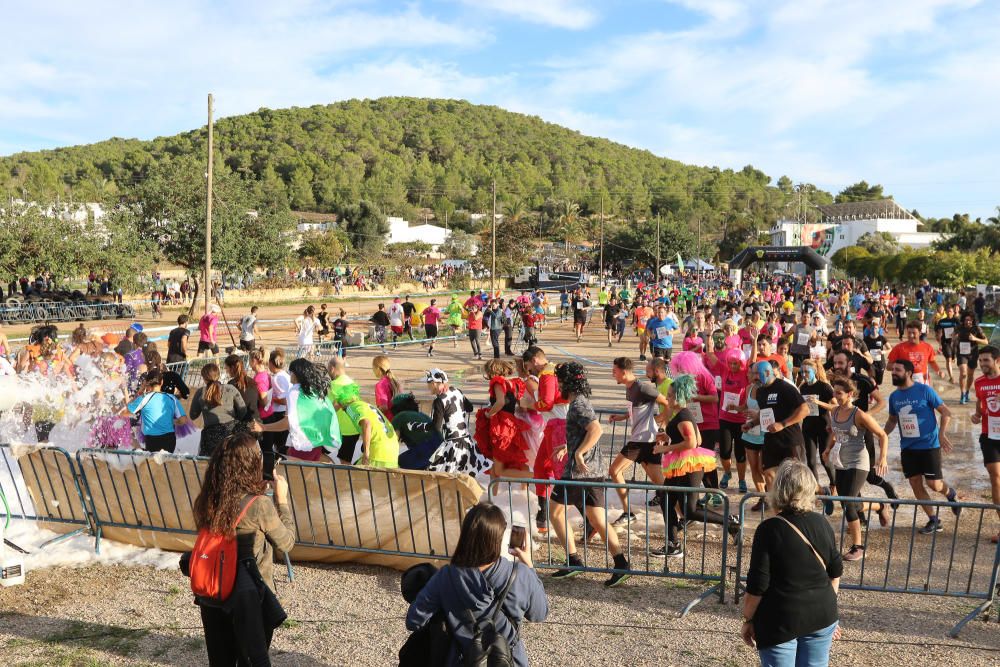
[{"x": 350, "y": 614}]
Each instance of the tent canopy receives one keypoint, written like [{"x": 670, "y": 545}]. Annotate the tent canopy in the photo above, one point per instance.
[{"x": 807, "y": 256}]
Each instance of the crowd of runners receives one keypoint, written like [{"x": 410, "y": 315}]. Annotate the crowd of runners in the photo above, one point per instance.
[{"x": 722, "y": 384}]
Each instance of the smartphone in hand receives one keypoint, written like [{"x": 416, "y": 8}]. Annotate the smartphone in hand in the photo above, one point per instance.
[{"x": 518, "y": 538}]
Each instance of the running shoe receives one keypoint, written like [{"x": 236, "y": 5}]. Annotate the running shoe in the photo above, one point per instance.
[
  {"x": 616, "y": 579},
  {"x": 715, "y": 499},
  {"x": 743, "y": 486},
  {"x": 953, "y": 497},
  {"x": 933, "y": 526},
  {"x": 674, "y": 550},
  {"x": 625, "y": 519},
  {"x": 642, "y": 357},
  {"x": 724, "y": 482},
  {"x": 734, "y": 528},
  {"x": 855, "y": 553},
  {"x": 565, "y": 574}
]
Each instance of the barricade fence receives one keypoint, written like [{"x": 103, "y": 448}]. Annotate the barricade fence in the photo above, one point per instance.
[
  {"x": 41, "y": 484},
  {"x": 394, "y": 517},
  {"x": 898, "y": 558},
  {"x": 703, "y": 554}
]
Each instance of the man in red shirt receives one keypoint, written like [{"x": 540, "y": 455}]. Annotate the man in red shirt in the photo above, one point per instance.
[
  {"x": 987, "y": 413},
  {"x": 764, "y": 354},
  {"x": 918, "y": 353}
]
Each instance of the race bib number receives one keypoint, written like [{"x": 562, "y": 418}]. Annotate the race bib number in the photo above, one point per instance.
[
  {"x": 766, "y": 418},
  {"x": 811, "y": 402},
  {"x": 993, "y": 428},
  {"x": 695, "y": 408},
  {"x": 718, "y": 383},
  {"x": 964, "y": 347},
  {"x": 662, "y": 333},
  {"x": 923, "y": 328},
  {"x": 746, "y": 350},
  {"x": 876, "y": 354},
  {"x": 802, "y": 339},
  {"x": 579, "y": 305},
  {"x": 948, "y": 333},
  {"x": 919, "y": 377},
  {"x": 909, "y": 427},
  {"x": 730, "y": 401}
]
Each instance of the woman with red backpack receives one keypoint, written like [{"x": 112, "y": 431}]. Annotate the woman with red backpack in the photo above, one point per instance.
[{"x": 232, "y": 564}]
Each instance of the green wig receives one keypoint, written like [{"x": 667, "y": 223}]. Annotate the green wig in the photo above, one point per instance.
[{"x": 684, "y": 389}]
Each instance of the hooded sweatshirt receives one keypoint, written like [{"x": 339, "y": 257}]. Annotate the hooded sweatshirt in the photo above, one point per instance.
[{"x": 456, "y": 589}]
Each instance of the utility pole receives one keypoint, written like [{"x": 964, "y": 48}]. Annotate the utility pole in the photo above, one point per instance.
[
  {"x": 493, "y": 269},
  {"x": 207, "y": 287},
  {"x": 657, "y": 270},
  {"x": 697, "y": 265},
  {"x": 600, "y": 277}
]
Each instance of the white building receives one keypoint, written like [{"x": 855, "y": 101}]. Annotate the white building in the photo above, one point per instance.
[
  {"x": 842, "y": 225},
  {"x": 400, "y": 231}
]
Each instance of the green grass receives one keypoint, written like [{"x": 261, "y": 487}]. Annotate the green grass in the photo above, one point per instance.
[{"x": 291, "y": 623}]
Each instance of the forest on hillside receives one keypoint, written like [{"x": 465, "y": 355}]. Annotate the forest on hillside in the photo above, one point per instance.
[{"x": 420, "y": 158}]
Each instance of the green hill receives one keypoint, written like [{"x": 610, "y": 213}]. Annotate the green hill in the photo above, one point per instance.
[{"x": 405, "y": 154}]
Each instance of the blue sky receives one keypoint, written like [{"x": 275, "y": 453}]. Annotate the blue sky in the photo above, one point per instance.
[{"x": 903, "y": 93}]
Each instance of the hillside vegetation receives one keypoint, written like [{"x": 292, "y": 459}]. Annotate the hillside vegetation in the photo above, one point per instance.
[{"x": 411, "y": 157}]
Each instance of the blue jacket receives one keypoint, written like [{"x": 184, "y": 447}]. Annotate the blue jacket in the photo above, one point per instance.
[{"x": 455, "y": 589}]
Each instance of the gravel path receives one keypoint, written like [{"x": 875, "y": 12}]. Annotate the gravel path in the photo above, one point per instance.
[{"x": 354, "y": 615}]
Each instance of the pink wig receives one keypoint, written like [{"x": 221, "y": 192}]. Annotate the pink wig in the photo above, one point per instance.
[
  {"x": 733, "y": 354},
  {"x": 687, "y": 362}
]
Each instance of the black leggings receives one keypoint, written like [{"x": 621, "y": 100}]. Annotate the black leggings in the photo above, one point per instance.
[
  {"x": 873, "y": 479},
  {"x": 849, "y": 483},
  {"x": 709, "y": 440},
  {"x": 814, "y": 439},
  {"x": 688, "y": 504},
  {"x": 879, "y": 368},
  {"x": 731, "y": 438}
]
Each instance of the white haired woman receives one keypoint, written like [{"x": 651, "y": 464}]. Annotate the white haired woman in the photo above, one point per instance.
[{"x": 790, "y": 609}]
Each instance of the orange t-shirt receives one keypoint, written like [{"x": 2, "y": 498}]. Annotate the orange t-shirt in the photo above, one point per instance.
[{"x": 642, "y": 315}]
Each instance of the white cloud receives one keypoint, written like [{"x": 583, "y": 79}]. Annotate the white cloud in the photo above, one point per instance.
[{"x": 570, "y": 14}]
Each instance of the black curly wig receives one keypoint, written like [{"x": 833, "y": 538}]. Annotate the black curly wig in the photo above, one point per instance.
[
  {"x": 313, "y": 378},
  {"x": 572, "y": 379}
]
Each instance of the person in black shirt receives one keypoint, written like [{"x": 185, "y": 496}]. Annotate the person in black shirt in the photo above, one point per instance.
[
  {"x": 968, "y": 339},
  {"x": 611, "y": 311},
  {"x": 945, "y": 331},
  {"x": 177, "y": 342},
  {"x": 172, "y": 382},
  {"x": 790, "y": 606},
  {"x": 979, "y": 305},
  {"x": 899, "y": 315},
  {"x": 324, "y": 325},
  {"x": 340, "y": 332},
  {"x": 381, "y": 321},
  {"x": 782, "y": 410},
  {"x": 878, "y": 348},
  {"x": 408, "y": 309},
  {"x": 818, "y": 394}
]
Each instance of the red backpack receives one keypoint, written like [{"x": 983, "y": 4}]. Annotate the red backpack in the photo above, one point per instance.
[{"x": 214, "y": 562}]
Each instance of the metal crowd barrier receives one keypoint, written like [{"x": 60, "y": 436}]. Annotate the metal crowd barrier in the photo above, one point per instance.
[
  {"x": 349, "y": 508},
  {"x": 333, "y": 506},
  {"x": 703, "y": 559},
  {"x": 898, "y": 559},
  {"x": 41, "y": 484},
  {"x": 136, "y": 490}
]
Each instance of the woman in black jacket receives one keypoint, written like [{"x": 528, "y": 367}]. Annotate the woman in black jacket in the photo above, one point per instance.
[
  {"x": 472, "y": 583},
  {"x": 790, "y": 608}
]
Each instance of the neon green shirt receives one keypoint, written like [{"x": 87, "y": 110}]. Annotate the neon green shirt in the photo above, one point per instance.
[{"x": 383, "y": 449}]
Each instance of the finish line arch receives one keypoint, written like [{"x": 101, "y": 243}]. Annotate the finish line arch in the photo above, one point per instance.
[{"x": 818, "y": 264}]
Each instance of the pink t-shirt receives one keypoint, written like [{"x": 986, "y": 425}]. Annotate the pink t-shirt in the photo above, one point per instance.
[
  {"x": 207, "y": 327},
  {"x": 263, "y": 382},
  {"x": 733, "y": 384},
  {"x": 695, "y": 344},
  {"x": 432, "y": 315},
  {"x": 709, "y": 411},
  {"x": 383, "y": 396},
  {"x": 734, "y": 341}
]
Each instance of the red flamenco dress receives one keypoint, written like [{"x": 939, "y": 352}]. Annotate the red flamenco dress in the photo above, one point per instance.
[{"x": 500, "y": 438}]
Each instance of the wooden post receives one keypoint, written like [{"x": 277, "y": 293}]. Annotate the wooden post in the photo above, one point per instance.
[{"x": 208, "y": 217}]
